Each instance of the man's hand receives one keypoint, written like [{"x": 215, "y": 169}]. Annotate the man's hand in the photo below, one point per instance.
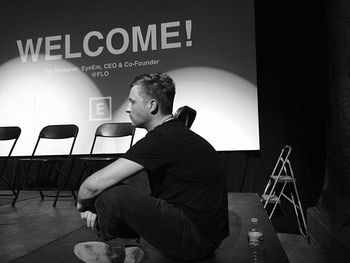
[
  {"x": 86, "y": 205},
  {"x": 87, "y": 215},
  {"x": 79, "y": 206},
  {"x": 90, "y": 218}
]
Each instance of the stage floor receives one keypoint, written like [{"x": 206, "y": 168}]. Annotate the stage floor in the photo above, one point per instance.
[{"x": 34, "y": 231}]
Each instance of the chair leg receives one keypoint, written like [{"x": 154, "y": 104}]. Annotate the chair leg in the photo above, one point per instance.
[
  {"x": 41, "y": 195},
  {"x": 15, "y": 199},
  {"x": 74, "y": 195},
  {"x": 56, "y": 198}
]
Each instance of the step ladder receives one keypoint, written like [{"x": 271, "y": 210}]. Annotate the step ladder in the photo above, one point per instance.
[{"x": 282, "y": 186}]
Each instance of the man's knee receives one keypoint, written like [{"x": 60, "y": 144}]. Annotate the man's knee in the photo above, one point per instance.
[{"x": 114, "y": 197}]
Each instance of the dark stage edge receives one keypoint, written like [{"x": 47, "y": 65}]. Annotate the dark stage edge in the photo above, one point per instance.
[{"x": 42, "y": 233}]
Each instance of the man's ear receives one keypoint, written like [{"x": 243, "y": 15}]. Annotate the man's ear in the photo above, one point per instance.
[{"x": 153, "y": 106}]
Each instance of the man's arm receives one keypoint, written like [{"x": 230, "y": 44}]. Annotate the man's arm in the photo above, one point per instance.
[{"x": 105, "y": 178}]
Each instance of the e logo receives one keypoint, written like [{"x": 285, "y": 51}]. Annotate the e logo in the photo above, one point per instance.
[{"x": 100, "y": 108}]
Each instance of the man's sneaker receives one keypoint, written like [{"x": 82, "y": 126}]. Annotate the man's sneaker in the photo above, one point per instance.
[{"x": 100, "y": 252}]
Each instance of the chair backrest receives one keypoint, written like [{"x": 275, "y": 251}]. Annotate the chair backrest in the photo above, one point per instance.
[
  {"x": 114, "y": 130},
  {"x": 10, "y": 133},
  {"x": 186, "y": 114},
  {"x": 60, "y": 131}
]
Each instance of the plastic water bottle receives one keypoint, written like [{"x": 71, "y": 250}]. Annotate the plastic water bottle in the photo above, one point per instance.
[{"x": 255, "y": 241}]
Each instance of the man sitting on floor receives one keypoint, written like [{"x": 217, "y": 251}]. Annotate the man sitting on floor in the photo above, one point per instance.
[{"x": 185, "y": 217}]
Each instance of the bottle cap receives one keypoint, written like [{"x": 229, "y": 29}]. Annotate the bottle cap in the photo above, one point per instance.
[{"x": 254, "y": 220}]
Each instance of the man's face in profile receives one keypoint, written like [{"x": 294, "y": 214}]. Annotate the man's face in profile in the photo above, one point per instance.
[{"x": 138, "y": 109}]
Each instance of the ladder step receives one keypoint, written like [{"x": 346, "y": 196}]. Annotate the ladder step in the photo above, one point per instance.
[
  {"x": 282, "y": 178},
  {"x": 272, "y": 200},
  {"x": 283, "y": 173}
]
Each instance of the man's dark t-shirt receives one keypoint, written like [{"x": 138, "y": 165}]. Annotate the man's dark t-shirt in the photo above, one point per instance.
[{"x": 184, "y": 170}]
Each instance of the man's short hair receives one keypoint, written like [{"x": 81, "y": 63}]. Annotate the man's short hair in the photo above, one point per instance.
[{"x": 158, "y": 86}]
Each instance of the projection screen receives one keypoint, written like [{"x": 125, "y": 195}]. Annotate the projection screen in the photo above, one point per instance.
[{"x": 72, "y": 61}]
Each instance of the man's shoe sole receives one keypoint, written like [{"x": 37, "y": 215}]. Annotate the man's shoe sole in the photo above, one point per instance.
[{"x": 99, "y": 252}]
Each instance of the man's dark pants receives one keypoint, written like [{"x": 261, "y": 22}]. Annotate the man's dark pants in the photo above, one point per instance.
[{"x": 125, "y": 212}]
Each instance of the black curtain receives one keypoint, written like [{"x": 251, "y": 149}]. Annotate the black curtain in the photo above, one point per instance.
[{"x": 291, "y": 42}]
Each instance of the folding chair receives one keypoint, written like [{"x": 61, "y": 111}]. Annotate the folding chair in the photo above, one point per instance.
[
  {"x": 50, "y": 172},
  {"x": 10, "y": 134},
  {"x": 185, "y": 114},
  {"x": 282, "y": 183},
  {"x": 106, "y": 131}
]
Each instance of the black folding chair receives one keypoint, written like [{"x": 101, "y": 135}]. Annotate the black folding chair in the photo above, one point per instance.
[
  {"x": 103, "y": 132},
  {"x": 10, "y": 134},
  {"x": 50, "y": 172},
  {"x": 186, "y": 114}
]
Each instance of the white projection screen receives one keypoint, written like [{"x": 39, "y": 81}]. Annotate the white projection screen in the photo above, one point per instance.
[{"x": 65, "y": 62}]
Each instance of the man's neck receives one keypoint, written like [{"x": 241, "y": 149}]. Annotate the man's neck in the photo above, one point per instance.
[{"x": 158, "y": 121}]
